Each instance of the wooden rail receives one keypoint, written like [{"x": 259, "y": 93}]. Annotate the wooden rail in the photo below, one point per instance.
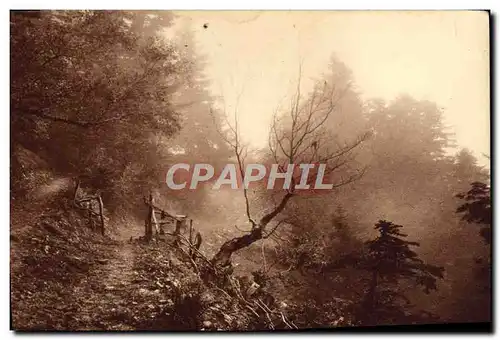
[{"x": 79, "y": 203}]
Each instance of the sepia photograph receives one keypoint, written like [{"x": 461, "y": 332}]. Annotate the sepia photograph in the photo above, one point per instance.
[{"x": 241, "y": 171}]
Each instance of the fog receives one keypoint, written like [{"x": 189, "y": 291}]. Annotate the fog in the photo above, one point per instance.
[{"x": 438, "y": 56}]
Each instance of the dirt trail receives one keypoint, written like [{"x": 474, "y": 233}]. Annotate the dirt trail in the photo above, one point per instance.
[
  {"x": 66, "y": 278},
  {"x": 104, "y": 297}
]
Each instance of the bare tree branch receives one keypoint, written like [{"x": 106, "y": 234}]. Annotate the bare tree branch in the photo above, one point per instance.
[
  {"x": 298, "y": 135},
  {"x": 240, "y": 152}
]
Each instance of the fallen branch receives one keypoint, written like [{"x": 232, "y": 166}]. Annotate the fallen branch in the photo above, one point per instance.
[
  {"x": 186, "y": 242},
  {"x": 191, "y": 260},
  {"x": 289, "y": 324},
  {"x": 271, "y": 324},
  {"x": 240, "y": 297},
  {"x": 226, "y": 293}
]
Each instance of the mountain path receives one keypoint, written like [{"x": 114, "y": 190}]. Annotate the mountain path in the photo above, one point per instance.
[{"x": 104, "y": 296}]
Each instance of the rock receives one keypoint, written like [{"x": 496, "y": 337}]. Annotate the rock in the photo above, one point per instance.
[
  {"x": 253, "y": 288},
  {"x": 102, "y": 261},
  {"x": 207, "y": 297},
  {"x": 207, "y": 324}
]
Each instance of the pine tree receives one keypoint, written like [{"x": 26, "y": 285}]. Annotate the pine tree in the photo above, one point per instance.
[
  {"x": 343, "y": 239},
  {"x": 391, "y": 260},
  {"x": 477, "y": 208}
]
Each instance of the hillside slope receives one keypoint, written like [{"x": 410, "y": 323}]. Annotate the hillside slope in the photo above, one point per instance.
[{"x": 65, "y": 276}]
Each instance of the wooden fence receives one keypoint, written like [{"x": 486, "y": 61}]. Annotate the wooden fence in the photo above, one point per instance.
[{"x": 86, "y": 203}]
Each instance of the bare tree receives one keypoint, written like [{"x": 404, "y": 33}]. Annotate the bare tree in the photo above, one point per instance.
[{"x": 298, "y": 135}]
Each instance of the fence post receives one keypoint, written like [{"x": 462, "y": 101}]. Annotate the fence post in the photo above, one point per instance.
[
  {"x": 101, "y": 213},
  {"x": 148, "y": 233}
]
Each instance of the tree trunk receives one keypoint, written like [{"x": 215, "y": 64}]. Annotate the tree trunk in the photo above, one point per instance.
[
  {"x": 178, "y": 225},
  {"x": 223, "y": 256},
  {"x": 268, "y": 218}
]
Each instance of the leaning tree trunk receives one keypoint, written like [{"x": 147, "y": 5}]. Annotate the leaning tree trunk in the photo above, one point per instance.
[{"x": 223, "y": 256}]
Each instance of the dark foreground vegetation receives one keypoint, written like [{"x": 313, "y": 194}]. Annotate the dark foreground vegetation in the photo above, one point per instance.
[{"x": 102, "y": 103}]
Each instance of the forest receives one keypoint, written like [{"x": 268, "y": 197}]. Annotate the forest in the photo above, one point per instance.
[{"x": 103, "y": 103}]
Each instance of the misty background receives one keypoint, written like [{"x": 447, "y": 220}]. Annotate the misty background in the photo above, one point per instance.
[
  {"x": 437, "y": 56},
  {"x": 104, "y": 102}
]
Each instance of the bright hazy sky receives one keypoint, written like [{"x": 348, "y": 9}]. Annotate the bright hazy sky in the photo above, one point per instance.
[{"x": 439, "y": 56}]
